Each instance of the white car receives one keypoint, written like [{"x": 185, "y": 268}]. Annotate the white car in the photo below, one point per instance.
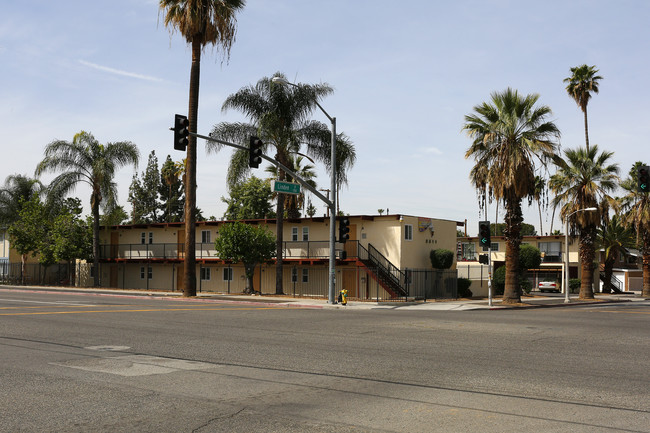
[{"x": 549, "y": 286}]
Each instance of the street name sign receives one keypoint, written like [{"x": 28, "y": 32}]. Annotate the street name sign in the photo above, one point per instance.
[{"x": 285, "y": 187}]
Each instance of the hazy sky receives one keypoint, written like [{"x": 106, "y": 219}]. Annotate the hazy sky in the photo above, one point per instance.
[{"x": 404, "y": 74}]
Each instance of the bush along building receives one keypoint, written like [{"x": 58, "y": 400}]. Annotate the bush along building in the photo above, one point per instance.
[{"x": 385, "y": 257}]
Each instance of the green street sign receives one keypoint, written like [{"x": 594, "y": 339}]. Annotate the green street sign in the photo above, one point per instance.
[{"x": 285, "y": 187}]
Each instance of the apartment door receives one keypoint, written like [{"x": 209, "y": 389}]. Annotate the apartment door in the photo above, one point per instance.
[
  {"x": 113, "y": 273},
  {"x": 115, "y": 241}
]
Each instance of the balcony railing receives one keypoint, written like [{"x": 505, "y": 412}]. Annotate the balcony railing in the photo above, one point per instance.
[{"x": 290, "y": 250}]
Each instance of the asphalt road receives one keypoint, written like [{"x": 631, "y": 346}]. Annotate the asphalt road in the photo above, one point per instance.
[{"x": 104, "y": 363}]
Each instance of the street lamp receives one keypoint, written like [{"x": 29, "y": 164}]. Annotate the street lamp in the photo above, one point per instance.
[
  {"x": 332, "y": 271},
  {"x": 566, "y": 250}
]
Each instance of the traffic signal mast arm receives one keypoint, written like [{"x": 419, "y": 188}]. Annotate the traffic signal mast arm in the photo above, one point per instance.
[{"x": 274, "y": 162}]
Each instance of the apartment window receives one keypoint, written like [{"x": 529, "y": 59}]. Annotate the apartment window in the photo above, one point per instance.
[
  {"x": 494, "y": 246},
  {"x": 151, "y": 237},
  {"x": 205, "y": 236},
  {"x": 205, "y": 274},
  {"x": 227, "y": 274},
  {"x": 149, "y": 274},
  {"x": 408, "y": 232},
  {"x": 294, "y": 233},
  {"x": 468, "y": 251},
  {"x": 305, "y": 233},
  {"x": 552, "y": 249},
  {"x": 143, "y": 238},
  {"x": 305, "y": 275}
]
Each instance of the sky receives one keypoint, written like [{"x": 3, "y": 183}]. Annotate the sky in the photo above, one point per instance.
[{"x": 404, "y": 73}]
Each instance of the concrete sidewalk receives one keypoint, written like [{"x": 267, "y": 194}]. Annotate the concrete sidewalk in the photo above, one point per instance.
[{"x": 536, "y": 301}]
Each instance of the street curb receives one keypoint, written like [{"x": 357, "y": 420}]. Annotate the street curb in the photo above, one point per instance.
[{"x": 571, "y": 304}]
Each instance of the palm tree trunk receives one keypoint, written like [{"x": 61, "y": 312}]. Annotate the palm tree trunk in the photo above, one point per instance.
[
  {"x": 512, "y": 234},
  {"x": 552, "y": 219},
  {"x": 189, "y": 278},
  {"x": 587, "y": 253},
  {"x": 608, "y": 270},
  {"x": 541, "y": 230},
  {"x": 586, "y": 129},
  {"x": 95, "y": 211}
]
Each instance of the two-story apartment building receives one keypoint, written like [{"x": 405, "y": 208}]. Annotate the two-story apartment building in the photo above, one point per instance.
[
  {"x": 379, "y": 255},
  {"x": 627, "y": 276}
]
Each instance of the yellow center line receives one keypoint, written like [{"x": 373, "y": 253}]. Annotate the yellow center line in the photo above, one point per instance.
[{"x": 144, "y": 310}]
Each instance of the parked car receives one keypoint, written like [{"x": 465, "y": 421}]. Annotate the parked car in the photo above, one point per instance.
[{"x": 549, "y": 286}]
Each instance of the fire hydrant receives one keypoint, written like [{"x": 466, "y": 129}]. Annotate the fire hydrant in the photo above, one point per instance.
[{"x": 343, "y": 297}]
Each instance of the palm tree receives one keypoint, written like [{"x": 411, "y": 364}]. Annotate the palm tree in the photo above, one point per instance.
[
  {"x": 614, "y": 238},
  {"x": 280, "y": 117},
  {"x": 200, "y": 22},
  {"x": 18, "y": 189},
  {"x": 295, "y": 202},
  {"x": 509, "y": 135},
  {"x": 582, "y": 82},
  {"x": 636, "y": 205},
  {"x": 87, "y": 161},
  {"x": 583, "y": 180}
]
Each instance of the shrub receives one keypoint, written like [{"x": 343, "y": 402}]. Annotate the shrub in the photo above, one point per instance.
[
  {"x": 463, "y": 288},
  {"x": 499, "y": 281},
  {"x": 525, "y": 285},
  {"x": 574, "y": 284},
  {"x": 441, "y": 259}
]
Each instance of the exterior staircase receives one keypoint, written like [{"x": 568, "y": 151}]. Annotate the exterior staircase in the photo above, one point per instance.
[{"x": 383, "y": 271}]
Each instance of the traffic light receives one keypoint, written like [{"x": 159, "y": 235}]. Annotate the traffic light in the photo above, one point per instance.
[
  {"x": 344, "y": 229},
  {"x": 643, "y": 178},
  {"x": 484, "y": 234},
  {"x": 181, "y": 132},
  {"x": 255, "y": 152}
]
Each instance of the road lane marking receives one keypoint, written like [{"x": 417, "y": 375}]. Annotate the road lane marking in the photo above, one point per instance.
[
  {"x": 64, "y": 303},
  {"x": 135, "y": 365},
  {"x": 146, "y": 310}
]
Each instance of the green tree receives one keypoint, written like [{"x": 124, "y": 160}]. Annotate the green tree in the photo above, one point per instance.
[
  {"x": 249, "y": 200},
  {"x": 636, "y": 207},
  {"x": 171, "y": 191},
  {"x": 143, "y": 193},
  {"x": 200, "y": 22},
  {"x": 70, "y": 236},
  {"x": 614, "y": 238},
  {"x": 85, "y": 160},
  {"x": 27, "y": 232},
  {"x": 247, "y": 244},
  {"x": 584, "y": 179},
  {"x": 530, "y": 257},
  {"x": 580, "y": 85},
  {"x": 499, "y": 229},
  {"x": 510, "y": 133},
  {"x": 115, "y": 217},
  {"x": 280, "y": 117}
]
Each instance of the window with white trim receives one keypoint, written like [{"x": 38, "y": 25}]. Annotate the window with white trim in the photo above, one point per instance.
[
  {"x": 151, "y": 237},
  {"x": 305, "y": 233},
  {"x": 227, "y": 274},
  {"x": 408, "y": 232},
  {"x": 305, "y": 275},
  {"x": 205, "y": 236},
  {"x": 294, "y": 233},
  {"x": 143, "y": 238},
  {"x": 206, "y": 274},
  {"x": 149, "y": 274}
]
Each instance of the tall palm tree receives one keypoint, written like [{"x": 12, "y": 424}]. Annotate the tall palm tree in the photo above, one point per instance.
[
  {"x": 200, "y": 22},
  {"x": 541, "y": 197},
  {"x": 510, "y": 134},
  {"x": 85, "y": 160},
  {"x": 584, "y": 179},
  {"x": 636, "y": 206},
  {"x": 18, "y": 189},
  {"x": 280, "y": 117},
  {"x": 614, "y": 238},
  {"x": 580, "y": 85},
  {"x": 295, "y": 202}
]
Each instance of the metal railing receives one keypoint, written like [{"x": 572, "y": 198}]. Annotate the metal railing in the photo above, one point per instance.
[{"x": 290, "y": 250}]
